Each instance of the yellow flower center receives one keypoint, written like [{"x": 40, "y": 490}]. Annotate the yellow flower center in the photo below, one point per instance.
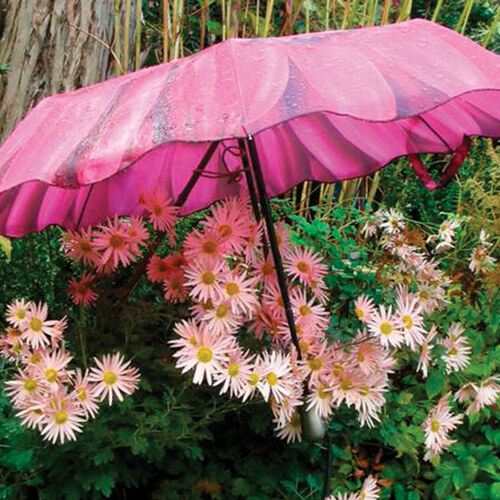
[
  {"x": 232, "y": 288},
  {"x": 208, "y": 305},
  {"x": 304, "y": 347},
  {"x": 157, "y": 210},
  {"x": 364, "y": 390},
  {"x": 303, "y": 267},
  {"x": 295, "y": 421},
  {"x": 30, "y": 385},
  {"x": 272, "y": 379},
  {"x": 322, "y": 394},
  {"x": 359, "y": 313},
  {"x": 346, "y": 384},
  {"x": 109, "y": 378},
  {"x": 208, "y": 278},
  {"x": 304, "y": 310},
  {"x": 408, "y": 321},
  {"x": 453, "y": 351},
  {"x": 337, "y": 370},
  {"x": 424, "y": 294},
  {"x": 315, "y": 364},
  {"x": 204, "y": 355},
  {"x": 84, "y": 246},
  {"x": 51, "y": 375},
  {"x": 253, "y": 379},
  {"x": 361, "y": 357},
  {"x": 82, "y": 395},
  {"x": 192, "y": 340},
  {"x": 116, "y": 242},
  {"x": 221, "y": 311},
  {"x": 17, "y": 348},
  {"x": 36, "y": 325},
  {"x": 385, "y": 328},
  {"x": 21, "y": 314},
  {"x": 267, "y": 269},
  {"x": 434, "y": 425},
  {"x": 233, "y": 370},
  {"x": 225, "y": 230},
  {"x": 209, "y": 246},
  {"x": 61, "y": 417}
]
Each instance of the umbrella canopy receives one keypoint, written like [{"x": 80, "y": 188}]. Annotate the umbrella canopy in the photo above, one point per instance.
[{"x": 326, "y": 106}]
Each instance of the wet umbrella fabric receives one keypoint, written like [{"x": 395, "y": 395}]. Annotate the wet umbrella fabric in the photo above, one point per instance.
[{"x": 327, "y": 106}]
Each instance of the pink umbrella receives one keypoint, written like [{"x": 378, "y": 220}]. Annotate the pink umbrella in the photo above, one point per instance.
[{"x": 324, "y": 106}]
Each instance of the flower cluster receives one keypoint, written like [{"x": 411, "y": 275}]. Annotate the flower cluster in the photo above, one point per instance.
[
  {"x": 46, "y": 393},
  {"x": 118, "y": 242},
  {"x": 445, "y": 236}
]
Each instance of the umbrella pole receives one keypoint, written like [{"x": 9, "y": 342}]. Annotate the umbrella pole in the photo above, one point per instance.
[
  {"x": 273, "y": 242},
  {"x": 249, "y": 179}
]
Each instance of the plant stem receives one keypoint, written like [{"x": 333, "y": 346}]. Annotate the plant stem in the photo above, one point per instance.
[{"x": 138, "y": 32}]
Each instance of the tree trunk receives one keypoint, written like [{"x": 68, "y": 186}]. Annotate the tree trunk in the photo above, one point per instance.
[{"x": 51, "y": 46}]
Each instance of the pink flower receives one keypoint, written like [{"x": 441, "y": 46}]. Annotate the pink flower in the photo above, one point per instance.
[
  {"x": 364, "y": 308},
  {"x": 425, "y": 352},
  {"x": 206, "y": 354},
  {"x": 62, "y": 419},
  {"x": 174, "y": 287},
  {"x": 113, "y": 241},
  {"x": 383, "y": 325},
  {"x": 306, "y": 266},
  {"x": 276, "y": 380},
  {"x": 457, "y": 355},
  {"x": 158, "y": 269},
  {"x": 162, "y": 212},
  {"x": 320, "y": 400},
  {"x": 292, "y": 430},
  {"x": 37, "y": 328},
  {"x": 208, "y": 246},
  {"x": 17, "y": 312},
  {"x": 204, "y": 277},
  {"x": 85, "y": 394},
  {"x": 25, "y": 386},
  {"x": 113, "y": 377},
  {"x": 438, "y": 424},
  {"x": 137, "y": 234},
  {"x": 80, "y": 291},
  {"x": 410, "y": 321},
  {"x": 221, "y": 320},
  {"x": 240, "y": 292},
  {"x": 234, "y": 373},
  {"x": 52, "y": 367},
  {"x": 79, "y": 246}
]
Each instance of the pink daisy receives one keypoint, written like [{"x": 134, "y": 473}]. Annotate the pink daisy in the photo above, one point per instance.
[
  {"x": 240, "y": 292},
  {"x": 276, "y": 377},
  {"x": 62, "y": 419},
  {"x": 292, "y": 430},
  {"x": 158, "y": 269},
  {"x": 37, "y": 328},
  {"x": 113, "y": 241},
  {"x": 24, "y": 386},
  {"x": 17, "y": 312},
  {"x": 206, "y": 356},
  {"x": 364, "y": 308},
  {"x": 221, "y": 320},
  {"x": 81, "y": 292},
  {"x": 138, "y": 235},
  {"x": 234, "y": 373},
  {"x": 174, "y": 287},
  {"x": 52, "y": 367},
  {"x": 383, "y": 325},
  {"x": 486, "y": 395},
  {"x": 79, "y": 246},
  {"x": 85, "y": 394},
  {"x": 204, "y": 278},
  {"x": 306, "y": 266},
  {"x": 369, "y": 490},
  {"x": 113, "y": 377},
  {"x": 162, "y": 212},
  {"x": 320, "y": 401},
  {"x": 425, "y": 352},
  {"x": 410, "y": 321},
  {"x": 207, "y": 246}
]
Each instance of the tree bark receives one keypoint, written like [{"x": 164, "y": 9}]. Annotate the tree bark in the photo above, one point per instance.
[{"x": 51, "y": 46}]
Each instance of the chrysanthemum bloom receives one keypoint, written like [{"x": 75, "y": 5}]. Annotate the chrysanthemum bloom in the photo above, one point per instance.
[
  {"x": 366, "y": 354},
  {"x": 343, "y": 496},
  {"x": 11, "y": 348},
  {"x": 230, "y": 222},
  {"x": 319, "y": 290},
  {"x": 410, "y": 321},
  {"x": 438, "y": 424},
  {"x": 158, "y": 269},
  {"x": 265, "y": 270},
  {"x": 253, "y": 246},
  {"x": 273, "y": 300},
  {"x": 370, "y": 228},
  {"x": 113, "y": 377},
  {"x": 486, "y": 394},
  {"x": 24, "y": 386},
  {"x": 113, "y": 241},
  {"x": 364, "y": 308},
  {"x": 431, "y": 298},
  {"x": 221, "y": 320},
  {"x": 80, "y": 247},
  {"x": 466, "y": 392},
  {"x": 234, "y": 373},
  {"x": 306, "y": 266},
  {"x": 480, "y": 260},
  {"x": 206, "y": 356},
  {"x": 240, "y": 292},
  {"x": 276, "y": 379},
  {"x": 370, "y": 399},
  {"x": 37, "y": 328},
  {"x": 383, "y": 325},
  {"x": 62, "y": 419},
  {"x": 30, "y": 411},
  {"x": 320, "y": 400},
  {"x": 81, "y": 292},
  {"x": 283, "y": 238},
  {"x": 52, "y": 367},
  {"x": 346, "y": 386},
  {"x": 204, "y": 278},
  {"x": 189, "y": 332},
  {"x": 307, "y": 312},
  {"x": 162, "y": 212},
  {"x": 138, "y": 235},
  {"x": 369, "y": 490},
  {"x": 284, "y": 410},
  {"x": 292, "y": 430},
  {"x": 85, "y": 394},
  {"x": 174, "y": 287},
  {"x": 199, "y": 309},
  {"x": 57, "y": 330},
  {"x": 17, "y": 313},
  {"x": 393, "y": 222},
  {"x": 207, "y": 246},
  {"x": 457, "y": 355},
  {"x": 425, "y": 352},
  {"x": 316, "y": 365}
]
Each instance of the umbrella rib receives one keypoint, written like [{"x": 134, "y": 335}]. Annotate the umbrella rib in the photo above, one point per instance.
[
  {"x": 273, "y": 242},
  {"x": 84, "y": 206}
]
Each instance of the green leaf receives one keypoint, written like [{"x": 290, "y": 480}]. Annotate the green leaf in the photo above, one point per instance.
[
  {"x": 443, "y": 487},
  {"x": 495, "y": 491},
  {"x": 6, "y": 246},
  {"x": 434, "y": 384},
  {"x": 480, "y": 491}
]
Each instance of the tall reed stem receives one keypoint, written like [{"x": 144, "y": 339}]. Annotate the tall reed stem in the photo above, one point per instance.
[
  {"x": 117, "y": 44},
  {"x": 138, "y": 33}
]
